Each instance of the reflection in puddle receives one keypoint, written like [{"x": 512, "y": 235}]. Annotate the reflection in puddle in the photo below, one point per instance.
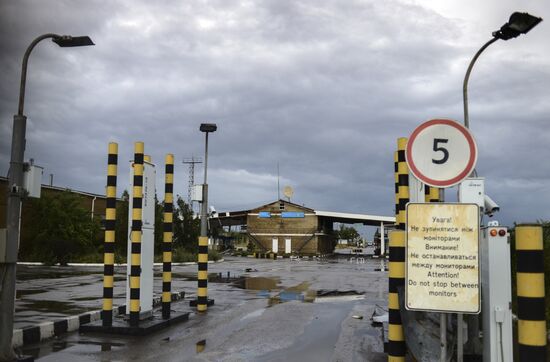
[
  {"x": 258, "y": 283},
  {"x": 22, "y": 292},
  {"x": 268, "y": 288},
  {"x": 59, "y": 346},
  {"x": 264, "y": 286},
  {"x": 53, "y": 306},
  {"x": 189, "y": 276},
  {"x": 201, "y": 345}
]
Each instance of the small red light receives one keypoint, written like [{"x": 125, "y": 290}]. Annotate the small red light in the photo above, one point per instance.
[
  {"x": 493, "y": 232},
  {"x": 502, "y": 232}
]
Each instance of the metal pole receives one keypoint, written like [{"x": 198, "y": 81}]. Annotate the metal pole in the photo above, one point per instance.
[
  {"x": 204, "y": 206},
  {"x": 167, "y": 236},
  {"x": 382, "y": 247},
  {"x": 109, "y": 244},
  {"x": 15, "y": 184},
  {"x": 530, "y": 291},
  {"x": 202, "y": 277},
  {"x": 135, "y": 236},
  {"x": 467, "y": 77},
  {"x": 443, "y": 337}
]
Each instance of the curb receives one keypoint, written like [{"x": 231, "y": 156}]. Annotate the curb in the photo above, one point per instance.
[
  {"x": 47, "y": 330},
  {"x": 35, "y": 263}
]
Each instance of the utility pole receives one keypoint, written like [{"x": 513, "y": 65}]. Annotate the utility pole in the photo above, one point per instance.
[
  {"x": 191, "y": 162},
  {"x": 8, "y": 258}
]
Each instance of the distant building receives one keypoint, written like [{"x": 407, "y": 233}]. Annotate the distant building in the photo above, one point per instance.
[
  {"x": 287, "y": 228},
  {"x": 95, "y": 203}
]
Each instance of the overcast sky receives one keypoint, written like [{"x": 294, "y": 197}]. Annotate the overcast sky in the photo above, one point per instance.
[{"x": 324, "y": 88}]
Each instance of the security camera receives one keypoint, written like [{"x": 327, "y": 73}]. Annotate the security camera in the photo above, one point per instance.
[
  {"x": 212, "y": 211},
  {"x": 490, "y": 206}
]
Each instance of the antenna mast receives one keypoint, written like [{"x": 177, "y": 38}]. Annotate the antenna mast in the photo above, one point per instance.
[
  {"x": 191, "y": 162},
  {"x": 278, "y": 186}
]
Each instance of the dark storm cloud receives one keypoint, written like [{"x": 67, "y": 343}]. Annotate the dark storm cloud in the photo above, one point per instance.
[{"x": 322, "y": 88}]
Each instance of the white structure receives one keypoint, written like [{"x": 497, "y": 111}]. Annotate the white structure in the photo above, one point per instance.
[{"x": 147, "y": 242}]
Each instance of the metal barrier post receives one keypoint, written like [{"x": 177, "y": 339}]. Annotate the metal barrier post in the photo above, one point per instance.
[
  {"x": 530, "y": 293},
  {"x": 202, "y": 290},
  {"x": 109, "y": 244},
  {"x": 167, "y": 236},
  {"x": 396, "y": 337},
  {"x": 135, "y": 236}
]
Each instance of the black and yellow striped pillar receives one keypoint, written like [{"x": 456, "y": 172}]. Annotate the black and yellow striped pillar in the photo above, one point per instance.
[
  {"x": 396, "y": 267},
  {"x": 167, "y": 236},
  {"x": 202, "y": 291},
  {"x": 396, "y": 337},
  {"x": 401, "y": 184},
  {"x": 135, "y": 235},
  {"x": 530, "y": 293},
  {"x": 432, "y": 194},
  {"x": 109, "y": 244}
]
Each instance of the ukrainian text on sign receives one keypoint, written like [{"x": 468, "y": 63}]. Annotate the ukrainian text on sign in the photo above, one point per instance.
[{"x": 443, "y": 258}]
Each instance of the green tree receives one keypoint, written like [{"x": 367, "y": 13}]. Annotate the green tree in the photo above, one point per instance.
[
  {"x": 61, "y": 228},
  {"x": 121, "y": 227},
  {"x": 159, "y": 226},
  {"x": 348, "y": 233},
  {"x": 186, "y": 227}
]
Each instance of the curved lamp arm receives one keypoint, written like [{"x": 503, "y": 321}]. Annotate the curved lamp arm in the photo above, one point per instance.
[
  {"x": 24, "y": 68},
  {"x": 467, "y": 77}
]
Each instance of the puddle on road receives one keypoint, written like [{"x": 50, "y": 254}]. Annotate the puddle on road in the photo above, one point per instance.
[
  {"x": 189, "y": 276},
  {"x": 318, "y": 340},
  {"x": 52, "y": 306},
  {"x": 268, "y": 288},
  {"x": 57, "y": 346},
  {"x": 54, "y": 272}
]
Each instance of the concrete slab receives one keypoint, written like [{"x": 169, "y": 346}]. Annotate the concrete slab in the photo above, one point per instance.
[{"x": 121, "y": 325}]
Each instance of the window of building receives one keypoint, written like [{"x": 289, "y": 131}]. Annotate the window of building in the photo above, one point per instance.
[{"x": 281, "y": 206}]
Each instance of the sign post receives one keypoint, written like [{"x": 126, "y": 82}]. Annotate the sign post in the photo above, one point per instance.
[{"x": 442, "y": 153}]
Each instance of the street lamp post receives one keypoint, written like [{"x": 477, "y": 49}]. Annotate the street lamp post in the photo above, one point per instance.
[
  {"x": 15, "y": 193},
  {"x": 519, "y": 23},
  {"x": 202, "y": 277},
  {"x": 206, "y": 128}
]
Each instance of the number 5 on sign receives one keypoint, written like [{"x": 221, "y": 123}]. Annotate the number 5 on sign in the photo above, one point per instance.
[{"x": 441, "y": 153}]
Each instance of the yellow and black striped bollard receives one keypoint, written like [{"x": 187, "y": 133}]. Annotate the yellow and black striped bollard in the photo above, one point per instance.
[
  {"x": 167, "y": 236},
  {"x": 396, "y": 337},
  {"x": 202, "y": 291},
  {"x": 431, "y": 194},
  {"x": 109, "y": 244},
  {"x": 401, "y": 184},
  {"x": 530, "y": 293},
  {"x": 135, "y": 236}
]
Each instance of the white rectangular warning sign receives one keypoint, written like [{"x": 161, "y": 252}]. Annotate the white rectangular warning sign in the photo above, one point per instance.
[{"x": 442, "y": 260}]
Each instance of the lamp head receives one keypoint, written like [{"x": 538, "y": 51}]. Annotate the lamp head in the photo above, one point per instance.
[
  {"x": 65, "y": 41},
  {"x": 208, "y": 127},
  {"x": 519, "y": 23}
]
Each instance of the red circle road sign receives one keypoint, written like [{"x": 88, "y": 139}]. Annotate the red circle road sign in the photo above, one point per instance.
[{"x": 441, "y": 152}]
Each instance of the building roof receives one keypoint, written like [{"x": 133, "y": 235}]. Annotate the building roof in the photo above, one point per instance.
[
  {"x": 349, "y": 218},
  {"x": 239, "y": 217},
  {"x": 57, "y": 188}
]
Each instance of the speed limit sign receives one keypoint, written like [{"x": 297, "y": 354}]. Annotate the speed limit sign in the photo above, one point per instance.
[{"x": 441, "y": 153}]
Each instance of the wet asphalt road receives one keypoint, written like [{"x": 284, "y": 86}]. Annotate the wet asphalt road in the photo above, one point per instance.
[{"x": 273, "y": 313}]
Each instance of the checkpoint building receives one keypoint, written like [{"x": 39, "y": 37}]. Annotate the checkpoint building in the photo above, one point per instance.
[{"x": 283, "y": 227}]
